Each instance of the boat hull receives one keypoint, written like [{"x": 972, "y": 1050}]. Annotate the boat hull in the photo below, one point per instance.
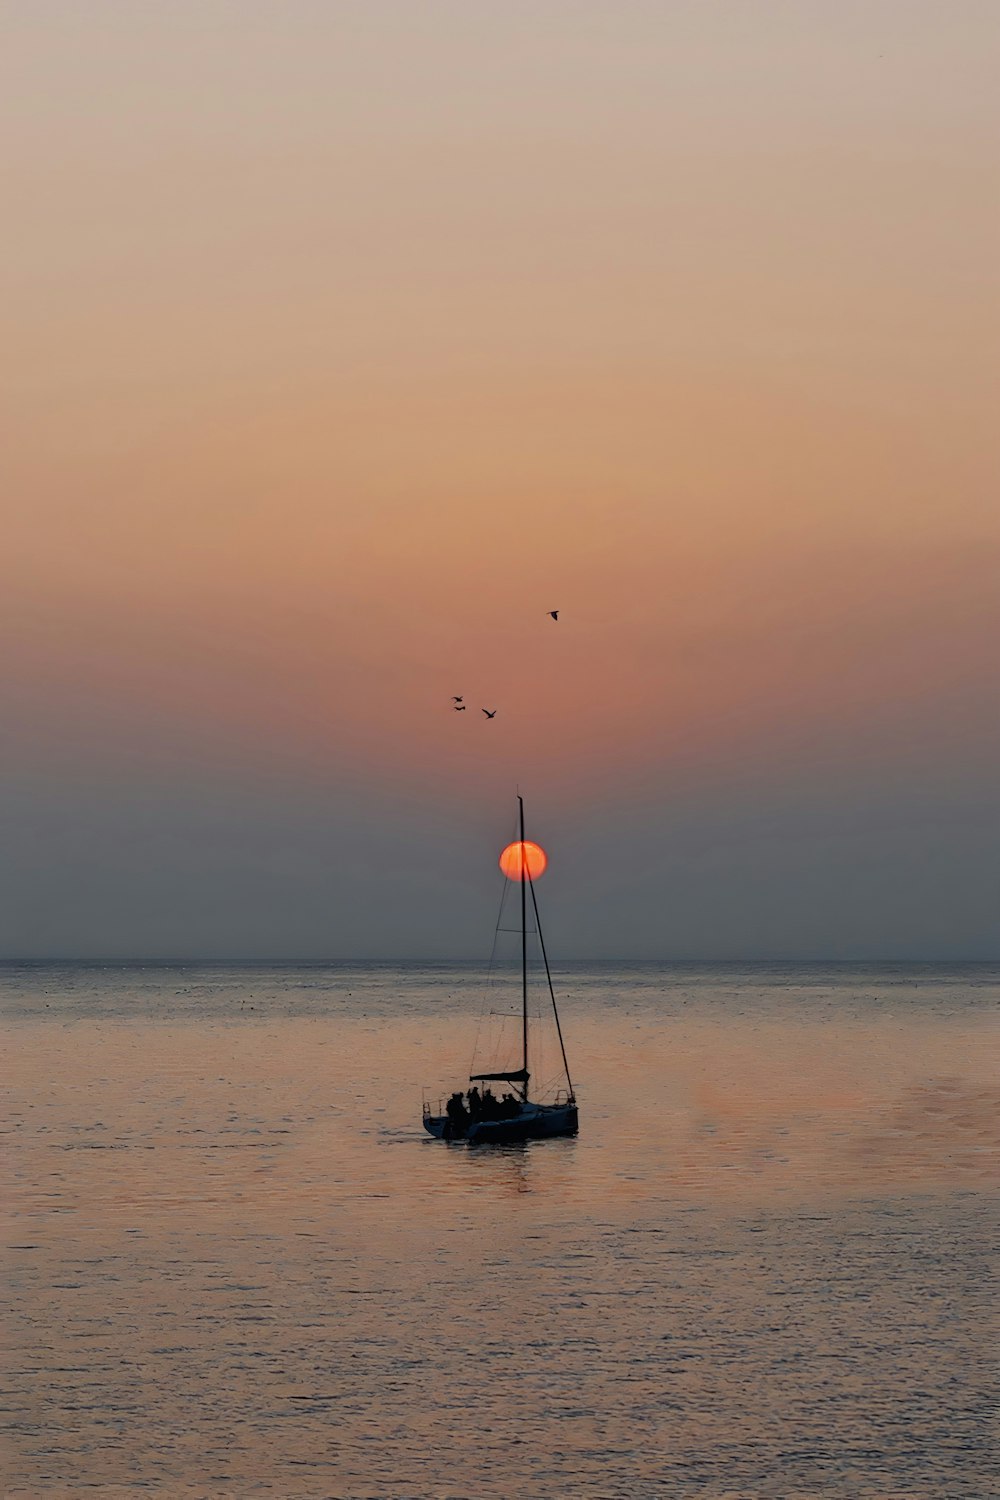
[{"x": 535, "y": 1122}]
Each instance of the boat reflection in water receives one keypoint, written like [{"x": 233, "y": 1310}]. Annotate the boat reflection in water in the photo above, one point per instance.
[{"x": 478, "y": 1116}]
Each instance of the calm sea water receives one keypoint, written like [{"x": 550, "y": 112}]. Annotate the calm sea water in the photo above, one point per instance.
[{"x": 240, "y": 1268}]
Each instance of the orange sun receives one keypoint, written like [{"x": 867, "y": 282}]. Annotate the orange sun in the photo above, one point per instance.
[{"x": 528, "y": 856}]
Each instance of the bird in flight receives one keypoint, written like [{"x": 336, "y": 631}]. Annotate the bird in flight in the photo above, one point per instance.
[
  {"x": 490, "y": 713},
  {"x": 456, "y": 697},
  {"x": 553, "y": 614},
  {"x": 460, "y": 708}
]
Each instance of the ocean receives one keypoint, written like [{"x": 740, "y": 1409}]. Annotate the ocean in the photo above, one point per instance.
[{"x": 240, "y": 1267}]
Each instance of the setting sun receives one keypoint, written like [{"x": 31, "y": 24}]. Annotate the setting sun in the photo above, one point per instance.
[{"x": 517, "y": 856}]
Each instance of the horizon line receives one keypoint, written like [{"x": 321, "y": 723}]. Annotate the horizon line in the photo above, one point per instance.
[{"x": 334, "y": 963}]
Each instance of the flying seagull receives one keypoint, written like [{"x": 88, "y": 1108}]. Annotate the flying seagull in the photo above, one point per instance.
[
  {"x": 553, "y": 614},
  {"x": 456, "y": 697},
  {"x": 490, "y": 713},
  {"x": 460, "y": 708}
]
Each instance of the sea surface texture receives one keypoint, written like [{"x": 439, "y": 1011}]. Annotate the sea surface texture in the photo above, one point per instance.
[{"x": 240, "y": 1267}]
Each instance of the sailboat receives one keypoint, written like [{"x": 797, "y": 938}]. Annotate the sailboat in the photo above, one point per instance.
[{"x": 477, "y": 1117}]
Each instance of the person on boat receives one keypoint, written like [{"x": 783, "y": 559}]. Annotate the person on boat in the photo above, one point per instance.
[
  {"x": 457, "y": 1115},
  {"x": 489, "y": 1105},
  {"x": 511, "y": 1106},
  {"x": 475, "y": 1103}
]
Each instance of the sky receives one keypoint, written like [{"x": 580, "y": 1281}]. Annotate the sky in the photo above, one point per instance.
[{"x": 342, "y": 341}]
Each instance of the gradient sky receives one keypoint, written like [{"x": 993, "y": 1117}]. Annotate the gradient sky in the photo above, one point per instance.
[{"x": 342, "y": 341}]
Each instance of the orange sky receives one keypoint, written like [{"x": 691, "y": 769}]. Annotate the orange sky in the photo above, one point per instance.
[{"x": 344, "y": 341}]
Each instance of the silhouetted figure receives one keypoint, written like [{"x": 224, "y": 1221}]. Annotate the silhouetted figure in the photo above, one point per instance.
[
  {"x": 490, "y": 713},
  {"x": 460, "y": 708},
  {"x": 489, "y": 1105},
  {"x": 475, "y": 1103},
  {"x": 553, "y": 614},
  {"x": 456, "y": 697},
  {"x": 457, "y": 1117}
]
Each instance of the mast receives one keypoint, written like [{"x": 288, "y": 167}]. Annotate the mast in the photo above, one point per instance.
[{"x": 524, "y": 951}]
